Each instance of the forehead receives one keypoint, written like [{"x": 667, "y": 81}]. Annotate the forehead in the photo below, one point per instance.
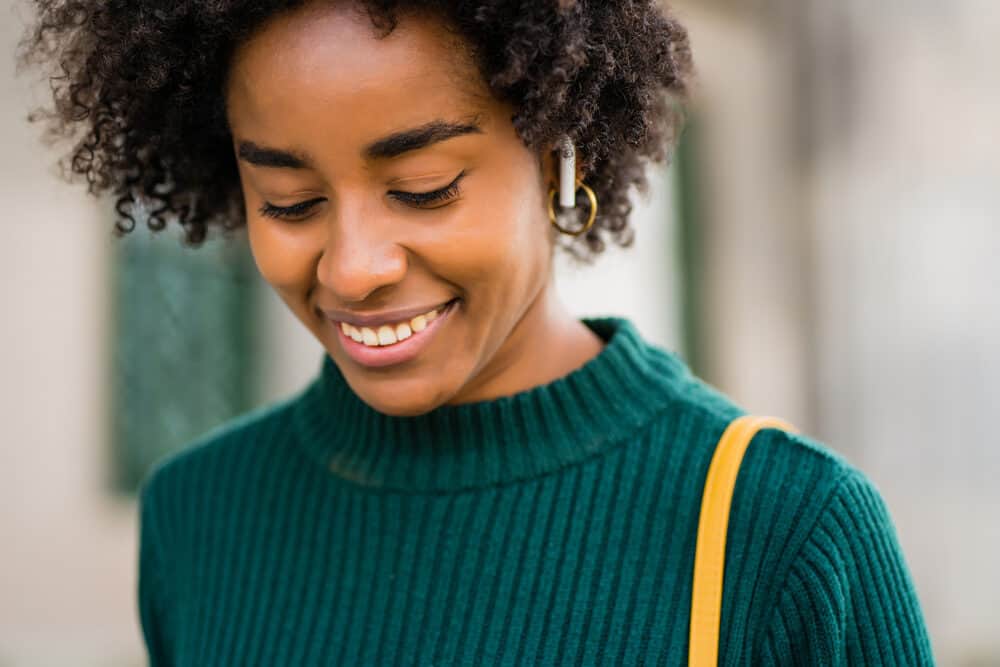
[{"x": 325, "y": 67}]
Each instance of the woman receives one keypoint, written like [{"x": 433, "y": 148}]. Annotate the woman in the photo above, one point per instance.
[{"x": 475, "y": 476}]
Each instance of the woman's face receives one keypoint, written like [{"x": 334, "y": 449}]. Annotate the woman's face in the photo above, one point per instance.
[{"x": 383, "y": 182}]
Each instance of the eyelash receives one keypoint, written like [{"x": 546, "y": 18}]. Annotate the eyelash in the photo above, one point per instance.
[
  {"x": 271, "y": 211},
  {"x": 446, "y": 193},
  {"x": 416, "y": 199}
]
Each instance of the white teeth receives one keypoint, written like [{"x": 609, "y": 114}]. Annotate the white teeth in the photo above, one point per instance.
[{"x": 388, "y": 334}]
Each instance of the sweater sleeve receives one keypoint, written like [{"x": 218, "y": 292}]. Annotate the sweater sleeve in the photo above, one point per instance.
[
  {"x": 151, "y": 591},
  {"x": 848, "y": 598}
]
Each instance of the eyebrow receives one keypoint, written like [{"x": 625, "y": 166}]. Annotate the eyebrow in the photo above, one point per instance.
[
  {"x": 271, "y": 157},
  {"x": 392, "y": 146},
  {"x": 419, "y": 137}
]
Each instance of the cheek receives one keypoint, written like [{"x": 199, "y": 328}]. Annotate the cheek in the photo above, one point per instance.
[
  {"x": 499, "y": 245},
  {"x": 285, "y": 256},
  {"x": 517, "y": 238}
]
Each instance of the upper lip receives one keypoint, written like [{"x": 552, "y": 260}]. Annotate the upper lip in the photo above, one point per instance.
[{"x": 377, "y": 319}]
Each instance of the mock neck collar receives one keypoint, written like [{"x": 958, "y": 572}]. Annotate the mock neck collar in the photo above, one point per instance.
[{"x": 524, "y": 435}]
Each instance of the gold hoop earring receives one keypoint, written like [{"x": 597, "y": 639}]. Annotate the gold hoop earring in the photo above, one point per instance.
[{"x": 590, "y": 219}]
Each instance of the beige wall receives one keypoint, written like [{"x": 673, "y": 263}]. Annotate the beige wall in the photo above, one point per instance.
[{"x": 66, "y": 547}]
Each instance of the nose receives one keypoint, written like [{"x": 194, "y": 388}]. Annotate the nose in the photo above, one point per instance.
[{"x": 359, "y": 257}]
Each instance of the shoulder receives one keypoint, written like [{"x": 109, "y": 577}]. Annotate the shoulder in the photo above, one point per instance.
[
  {"x": 793, "y": 464},
  {"x": 796, "y": 467},
  {"x": 782, "y": 463},
  {"x": 790, "y": 486},
  {"x": 812, "y": 557},
  {"x": 226, "y": 457},
  {"x": 814, "y": 535},
  {"x": 786, "y": 480},
  {"x": 832, "y": 561},
  {"x": 813, "y": 554}
]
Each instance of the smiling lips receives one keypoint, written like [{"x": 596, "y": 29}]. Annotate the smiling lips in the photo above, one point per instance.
[
  {"x": 392, "y": 343},
  {"x": 389, "y": 334}
]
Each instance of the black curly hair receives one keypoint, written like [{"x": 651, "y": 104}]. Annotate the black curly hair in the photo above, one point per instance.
[{"x": 137, "y": 89}]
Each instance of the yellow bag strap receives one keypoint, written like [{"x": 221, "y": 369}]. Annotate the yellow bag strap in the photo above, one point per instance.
[{"x": 710, "y": 552}]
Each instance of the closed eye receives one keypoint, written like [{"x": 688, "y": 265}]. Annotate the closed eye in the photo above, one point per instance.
[
  {"x": 293, "y": 212},
  {"x": 417, "y": 199},
  {"x": 421, "y": 199}
]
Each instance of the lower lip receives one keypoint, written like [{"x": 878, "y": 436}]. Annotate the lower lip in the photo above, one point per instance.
[{"x": 397, "y": 353}]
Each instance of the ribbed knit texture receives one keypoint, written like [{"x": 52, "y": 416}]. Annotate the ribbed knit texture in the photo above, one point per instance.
[{"x": 553, "y": 527}]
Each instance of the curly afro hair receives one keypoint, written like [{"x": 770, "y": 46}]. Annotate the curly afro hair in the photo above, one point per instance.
[{"x": 137, "y": 90}]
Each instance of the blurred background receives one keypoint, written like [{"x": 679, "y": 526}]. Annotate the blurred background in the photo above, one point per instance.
[{"x": 822, "y": 249}]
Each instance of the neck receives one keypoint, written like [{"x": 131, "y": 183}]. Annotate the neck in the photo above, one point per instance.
[
  {"x": 520, "y": 436},
  {"x": 547, "y": 343}
]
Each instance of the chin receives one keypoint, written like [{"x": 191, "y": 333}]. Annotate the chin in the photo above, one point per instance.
[{"x": 398, "y": 400}]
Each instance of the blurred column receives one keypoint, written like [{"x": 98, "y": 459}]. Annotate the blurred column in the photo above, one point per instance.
[{"x": 751, "y": 263}]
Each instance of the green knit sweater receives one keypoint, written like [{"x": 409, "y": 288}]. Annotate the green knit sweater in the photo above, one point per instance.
[{"x": 552, "y": 527}]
